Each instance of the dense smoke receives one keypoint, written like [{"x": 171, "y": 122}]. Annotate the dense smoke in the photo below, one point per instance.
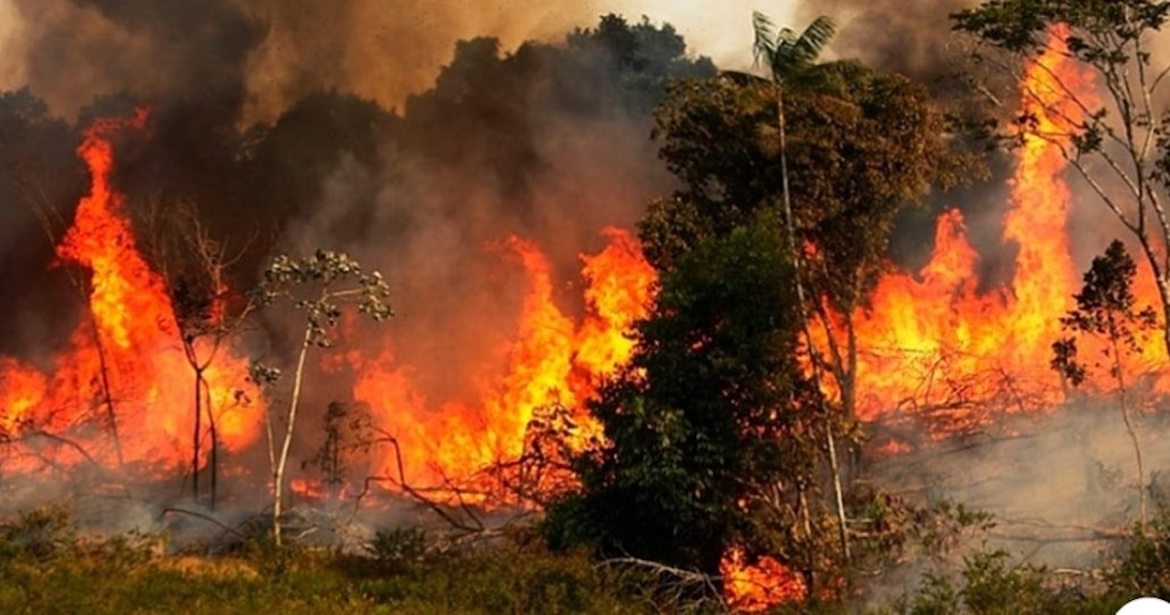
[
  {"x": 191, "y": 52},
  {"x": 549, "y": 142},
  {"x": 911, "y": 37},
  {"x": 69, "y": 51}
]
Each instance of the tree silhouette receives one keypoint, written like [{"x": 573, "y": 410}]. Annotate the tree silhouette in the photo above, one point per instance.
[{"x": 1106, "y": 308}]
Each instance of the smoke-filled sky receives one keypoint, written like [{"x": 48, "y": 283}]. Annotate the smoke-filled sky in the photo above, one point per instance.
[
  {"x": 378, "y": 49},
  {"x": 386, "y": 50}
]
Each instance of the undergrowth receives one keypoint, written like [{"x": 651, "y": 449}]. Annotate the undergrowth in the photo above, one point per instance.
[{"x": 46, "y": 567}]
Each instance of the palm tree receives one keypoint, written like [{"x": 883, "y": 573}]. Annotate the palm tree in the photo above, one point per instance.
[{"x": 791, "y": 56}]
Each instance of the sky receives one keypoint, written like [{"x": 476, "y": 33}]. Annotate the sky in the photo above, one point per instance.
[{"x": 719, "y": 29}]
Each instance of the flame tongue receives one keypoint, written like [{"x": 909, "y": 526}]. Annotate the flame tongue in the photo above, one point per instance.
[
  {"x": 127, "y": 357},
  {"x": 553, "y": 360},
  {"x": 127, "y": 302},
  {"x": 754, "y": 588},
  {"x": 934, "y": 342}
]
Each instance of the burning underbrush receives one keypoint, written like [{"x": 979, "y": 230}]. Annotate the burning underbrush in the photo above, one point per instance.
[{"x": 109, "y": 425}]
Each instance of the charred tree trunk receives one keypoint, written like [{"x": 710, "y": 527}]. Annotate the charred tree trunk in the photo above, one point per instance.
[
  {"x": 197, "y": 435},
  {"x": 213, "y": 463}
]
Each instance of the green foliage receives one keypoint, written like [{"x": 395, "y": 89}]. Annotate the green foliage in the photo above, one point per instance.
[
  {"x": 124, "y": 576},
  {"x": 1022, "y": 25},
  {"x": 991, "y": 583},
  {"x": 37, "y": 534},
  {"x": 712, "y": 438},
  {"x": 1142, "y": 567},
  {"x": 787, "y": 52},
  {"x": 705, "y": 411},
  {"x": 995, "y": 583},
  {"x": 399, "y": 548},
  {"x": 861, "y": 146},
  {"x": 892, "y": 530}
]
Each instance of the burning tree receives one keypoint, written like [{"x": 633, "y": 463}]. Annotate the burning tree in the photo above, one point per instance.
[
  {"x": 317, "y": 286},
  {"x": 1116, "y": 135},
  {"x": 193, "y": 267}
]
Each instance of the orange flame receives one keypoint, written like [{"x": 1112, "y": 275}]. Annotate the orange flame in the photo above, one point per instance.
[
  {"x": 932, "y": 341},
  {"x": 754, "y": 588},
  {"x": 552, "y": 361},
  {"x": 126, "y": 355}
]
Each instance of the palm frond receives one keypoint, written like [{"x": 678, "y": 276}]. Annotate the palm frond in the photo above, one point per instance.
[
  {"x": 815, "y": 38},
  {"x": 786, "y": 36},
  {"x": 764, "y": 46},
  {"x": 792, "y": 51}
]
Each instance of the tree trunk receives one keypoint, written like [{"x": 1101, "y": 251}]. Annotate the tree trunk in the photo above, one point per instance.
[
  {"x": 282, "y": 461},
  {"x": 195, "y": 437},
  {"x": 1129, "y": 428},
  {"x": 804, "y": 313},
  {"x": 842, "y": 530},
  {"x": 213, "y": 463},
  {"x": 809, "y": 573}
]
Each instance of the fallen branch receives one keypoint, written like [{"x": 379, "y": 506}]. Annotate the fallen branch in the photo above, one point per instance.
[
  {"x": 417, "y": 494},
  {"x": 685, "y": 577}
]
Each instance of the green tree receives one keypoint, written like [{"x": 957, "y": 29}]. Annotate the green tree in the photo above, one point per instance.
[
  {"x": 318, "y": 286},
  {"x": 711, "y": 413},
  {"x": 1107, "y": 308},
  {"x": 716, "y": 433},
  {"x": 860, "y": 146},
  {"x": 1113, "y": 135},
  {"x": 790, "y": 56}
]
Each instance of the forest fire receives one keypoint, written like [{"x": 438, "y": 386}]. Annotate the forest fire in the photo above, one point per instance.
[
  {"x": 551, "y": 362},
  {"x": 117, "y": 393},
  {"x": 934, "y": 340},
  {"x": 125, "y": 360}
]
